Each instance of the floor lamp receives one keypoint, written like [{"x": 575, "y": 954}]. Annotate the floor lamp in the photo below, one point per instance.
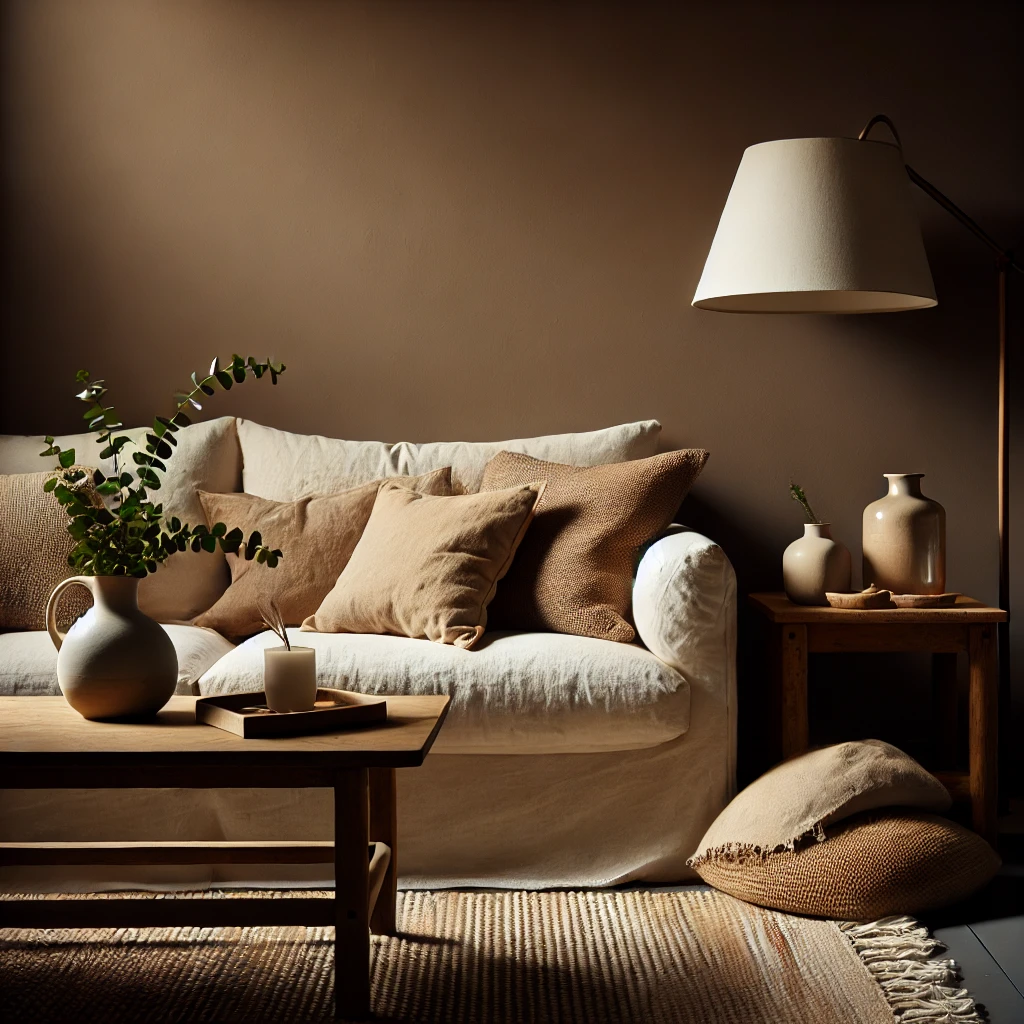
[{"x": 827, "y": 226}]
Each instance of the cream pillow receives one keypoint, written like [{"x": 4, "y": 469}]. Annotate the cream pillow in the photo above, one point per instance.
[
  {"x": 427, "y": 567},
  {"x": 316, "y": 536}
]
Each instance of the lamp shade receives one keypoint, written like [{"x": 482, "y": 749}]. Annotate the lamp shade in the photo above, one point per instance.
[{"x": 818, "y": 226}]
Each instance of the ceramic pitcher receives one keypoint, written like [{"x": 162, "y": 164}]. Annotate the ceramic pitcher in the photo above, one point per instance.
[
  {"x": 905, "y": 539},
  {"x": 815, "y": 564},
  {"x": 114, "y": 662}
]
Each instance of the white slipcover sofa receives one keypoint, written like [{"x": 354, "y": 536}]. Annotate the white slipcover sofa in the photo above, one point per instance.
[{"x": 564, "y": 761}]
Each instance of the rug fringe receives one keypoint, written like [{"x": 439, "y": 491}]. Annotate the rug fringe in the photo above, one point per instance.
[{"x": 898, "y": 953}]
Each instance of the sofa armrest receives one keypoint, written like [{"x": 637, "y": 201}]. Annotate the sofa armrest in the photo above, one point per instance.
[{"x": 684, "y": 608}]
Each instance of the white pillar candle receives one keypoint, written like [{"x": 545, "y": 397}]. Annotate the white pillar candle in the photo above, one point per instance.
[{"x": 289, "y": 678}]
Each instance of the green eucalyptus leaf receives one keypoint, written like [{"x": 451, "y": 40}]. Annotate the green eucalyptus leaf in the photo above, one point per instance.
[
  {"x": 224, "y": 379},
  {"x": 108, "y": 487},
  {"x": 50, "y": 484},
  {"x": 67, "y": 458}
]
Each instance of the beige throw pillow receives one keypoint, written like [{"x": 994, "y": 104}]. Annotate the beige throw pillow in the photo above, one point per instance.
[
  {"x": 798, "y": 798},
  {"x": 869, "y": 866},
  {"x": 426, "y": 566},
  {"x": 316, "y": 535},
  {"x": 34, "y": 549},
  {"x": 574, "y": 572}
]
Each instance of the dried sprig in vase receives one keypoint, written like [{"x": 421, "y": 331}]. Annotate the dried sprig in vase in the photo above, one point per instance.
[
  {"x": 815, "y": 563},
  {"x": 289, "y": 673}
]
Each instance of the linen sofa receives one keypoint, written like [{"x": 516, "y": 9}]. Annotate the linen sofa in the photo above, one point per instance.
[{"x": 564, "y": 761}]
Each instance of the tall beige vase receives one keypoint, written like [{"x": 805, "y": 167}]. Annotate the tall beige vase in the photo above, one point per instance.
[
  {"x": 115, "y": 661},
  {"x": 905, "y": 539},
  {"x": 815, "y": 564}
]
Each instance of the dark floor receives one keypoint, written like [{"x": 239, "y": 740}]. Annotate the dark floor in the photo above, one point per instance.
[{"x": 985, "y": 935}]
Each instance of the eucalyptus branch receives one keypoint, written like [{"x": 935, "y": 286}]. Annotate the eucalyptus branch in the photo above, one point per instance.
[{"x": 134, "y": 536}]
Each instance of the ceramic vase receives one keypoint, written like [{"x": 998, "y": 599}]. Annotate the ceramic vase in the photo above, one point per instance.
[
  {"x": 114, "y": 662},
  {"x": 905, "y": 539},
  {"x": 289, "y": 678},
  {"x": 814, "y": 564}
]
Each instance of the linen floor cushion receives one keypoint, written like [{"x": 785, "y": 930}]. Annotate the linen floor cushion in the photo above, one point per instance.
[
  {"x": 427, "y": 566},
  {"x": 284, "y": 466},
  {"x": 34, "y": 549},
  {"x": 206, "y": 458},
  {"x": 316, "y": 535},
  {"x": 798, "y": 798},
  {"x": 868, "y": 866},
  {"x": 574, "y": 571}
]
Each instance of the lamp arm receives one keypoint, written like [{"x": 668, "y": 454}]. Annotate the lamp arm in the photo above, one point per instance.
[{"x": 1004, "y": 257}]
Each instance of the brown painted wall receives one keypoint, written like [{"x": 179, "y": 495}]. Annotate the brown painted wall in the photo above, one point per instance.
[{"x": 487, "y": 220}]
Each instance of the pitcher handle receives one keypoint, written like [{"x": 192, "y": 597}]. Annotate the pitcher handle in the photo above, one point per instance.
[{"x": 51, "y": 606}]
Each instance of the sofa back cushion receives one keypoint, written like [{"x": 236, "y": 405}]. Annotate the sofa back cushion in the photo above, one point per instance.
[
  {"x": 206, "y": 458},
  {"x": 284, "y": 466}
]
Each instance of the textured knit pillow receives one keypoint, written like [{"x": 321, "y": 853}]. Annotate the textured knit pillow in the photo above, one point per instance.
[
  {"x": 34, "y": 549},
  {"x": 426, "y": 566},
  {"x": 316, "y": 535},
  {"x": 574, "y": 571},
  {"x": 869, "y": 866},
  {"x": 798, "y": 798}
]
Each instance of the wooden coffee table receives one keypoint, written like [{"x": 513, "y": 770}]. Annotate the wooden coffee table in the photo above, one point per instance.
[{"x": 45, "y": 744}]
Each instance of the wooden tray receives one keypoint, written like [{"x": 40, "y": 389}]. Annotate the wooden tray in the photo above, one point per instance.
[{"x": 246, "y": 714}]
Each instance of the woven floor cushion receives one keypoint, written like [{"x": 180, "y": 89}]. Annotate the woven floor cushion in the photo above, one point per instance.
[{"x": 874, "y": 864}]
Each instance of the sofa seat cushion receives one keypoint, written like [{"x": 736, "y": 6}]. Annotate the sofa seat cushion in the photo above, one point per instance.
[
  {"x": 28, "y": 660},
  {"x": 514, "y": 693}
]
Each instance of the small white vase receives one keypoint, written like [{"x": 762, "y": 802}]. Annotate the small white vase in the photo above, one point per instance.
[
  {"x": 289, "y": 678},
  {"x": 814, "y": 564},
  {"x": 905, "y": 539},
  {"x": 114, "y": 662}
]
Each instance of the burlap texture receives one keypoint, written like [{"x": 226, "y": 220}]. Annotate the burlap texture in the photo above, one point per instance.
[
  {"x": 574, "y": 570},
  {"x": 426, "y": 566},
  {"x": 34, "y": 549},
  {"x": 316, "y": 534},
  {"x": 797, "y": 798},
  {"x": 869, "y": 866}
]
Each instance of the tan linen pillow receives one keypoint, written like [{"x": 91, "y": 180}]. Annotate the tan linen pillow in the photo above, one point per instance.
[
  {"x": 869, "y": 866},
  {"x": 574, "y": 571},
  {"x": 316, "y": 535},
  {"x": 798, "y": 798},
  {"x": 34, "y": 549},
  {"x": 427, "y": 567}
]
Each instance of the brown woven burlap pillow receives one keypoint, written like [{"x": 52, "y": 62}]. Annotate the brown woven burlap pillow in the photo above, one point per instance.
[
  {"x": 316, "y": 535},
  {"x": 34, "y": 549},
  {"x": 574, "y": 569},
  {"x": 898, "y": 861}
]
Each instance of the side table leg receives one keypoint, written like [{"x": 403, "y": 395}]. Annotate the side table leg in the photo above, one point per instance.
[
  {"x": 793, "y": 669},
  {"x": 984, "y": 698},
  {"x": 384, "y": 829},
  {"x": 351, "y": 898},
  {"x": 944, "y": 710}
]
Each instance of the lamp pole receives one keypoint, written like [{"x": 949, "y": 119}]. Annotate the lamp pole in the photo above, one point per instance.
[{"x": 1004, "y": 263}]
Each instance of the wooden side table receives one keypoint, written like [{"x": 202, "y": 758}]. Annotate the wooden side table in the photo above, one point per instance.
[{"x": 969, "y": 626}]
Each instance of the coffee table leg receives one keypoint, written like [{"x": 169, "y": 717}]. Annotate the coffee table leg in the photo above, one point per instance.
[
  {"x": 384, "y": 829},
  {"x": 984, "y": 716},
  {"x": 351, "y": 897}
]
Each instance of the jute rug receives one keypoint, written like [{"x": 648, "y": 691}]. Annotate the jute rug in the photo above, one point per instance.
[{"x": 691, "y": 956}]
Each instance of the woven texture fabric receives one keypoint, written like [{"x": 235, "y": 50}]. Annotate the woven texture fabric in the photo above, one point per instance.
[
  {"x": 316, "y": 535},
  {"x": 872, "y": 865},
  {"x": 34, "y": 549},
  {"x": 427, "y": 567},
  {"x": 689, "y": 957},
  {"x": 797, "y": 798},
  {"x": 574, "y": 570}
]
